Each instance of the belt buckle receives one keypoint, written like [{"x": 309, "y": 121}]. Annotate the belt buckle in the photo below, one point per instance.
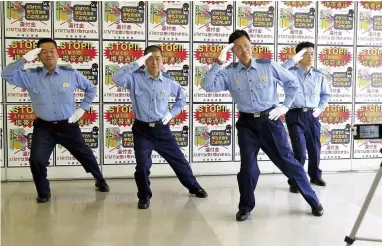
[
  {"x": 152, "y": 124},
  {"x": 55, "y": 122},
  {"x": 305, "y": 109},
  {"x": 256, "y": 115}
]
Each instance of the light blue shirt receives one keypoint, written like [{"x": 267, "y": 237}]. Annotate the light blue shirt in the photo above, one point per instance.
[
  {"x": 149, "y": 96},
  {"x": 52, "y": 95},
  {"x": 253, "y": 89},
  {"x": 313, "y": 89}
]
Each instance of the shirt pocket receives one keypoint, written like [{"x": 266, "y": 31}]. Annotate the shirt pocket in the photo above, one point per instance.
[
  {"x": 314, "y": 88},
  {"x": 39, "y": 96},
  {"x": 66, "y": 94},
  {"x": 139, "y": 93},
  {"x": 238, "y": 87}
]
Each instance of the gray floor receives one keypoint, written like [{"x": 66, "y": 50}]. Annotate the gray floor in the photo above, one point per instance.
[{"x": 79, "y": 216}]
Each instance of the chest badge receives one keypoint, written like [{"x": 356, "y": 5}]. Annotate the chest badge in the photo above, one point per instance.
[
  {"x": 263, "y": 79},
  {"x": 237, "y": 82},
  {"x": 164, "y": 93},
  {"x": 65, "y": 85}
]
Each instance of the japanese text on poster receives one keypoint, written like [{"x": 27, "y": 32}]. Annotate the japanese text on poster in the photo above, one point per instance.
[
  {"x": 124, "y": 20},
  {"x": 204, "y": 57}
]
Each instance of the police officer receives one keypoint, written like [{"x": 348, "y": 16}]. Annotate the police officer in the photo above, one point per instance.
[
  {"x": 303, "y": 118},
  {"x": 150, "y": 90},
  {"x": 252, "y": 84},
  {"x": 51, "y": 89}
]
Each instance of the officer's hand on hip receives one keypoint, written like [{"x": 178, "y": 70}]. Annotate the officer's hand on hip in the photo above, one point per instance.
[
  {"x": 277, "y": 112},
  {"x": 32, "y": 54},
  {"x": 167, "y": 118},
  {"x": 223, "y": 54},
  {"x": 141, "y": 61},
  {"x": 77, "y": 115},
  {"x": 316, "y": 112},
  {"x": 298, "y": 57}
]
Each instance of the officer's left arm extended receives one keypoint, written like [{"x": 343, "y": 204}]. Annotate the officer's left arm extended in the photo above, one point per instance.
[
  {"x": 180, "y": 98},
  {"x": 216, "y": 79},
  {"x": 324, "y": 95},
  {"x": 288, "y": 81},
  {"x": 89, "y": 88}
]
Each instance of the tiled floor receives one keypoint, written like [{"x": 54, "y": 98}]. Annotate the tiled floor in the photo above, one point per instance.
[{"x": 79, "y": 216}]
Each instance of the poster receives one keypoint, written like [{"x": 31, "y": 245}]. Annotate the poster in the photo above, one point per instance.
[
  {"x": 76, "y": 19},
  {"x": 369, "y": 74},
  {"x": 213, "y": 21},
  {"x": 169, "y": 21},
  {"x": 20, "y": 128},
  {"x": 176, "y": 60},
  {"x": 15, "y": 49},
  {"x": 118, "y": 136},
  {"x": 296, "y": 21},
  {"x": 369, "y": 27},
  {"x": 204, "y": 57},
  {"x": 115, "y": 55},
  {"x": 89, "y": 124},
  {"x": 257, "y": 18},
  {"x": 336, "y": 63},
  {"x": 124, "y": 20},
  {"x": 335, "y": 140},
  {"x": 367, "y": 114},
  {"x": 83, "y": 56},
  {"x": 28, "y": 19},
  {"x": 179, "y": 126},
  {"x": 336, "y": 22},
  {"x": 212, "y": 132},
  {"x": 1, "y": 137}
]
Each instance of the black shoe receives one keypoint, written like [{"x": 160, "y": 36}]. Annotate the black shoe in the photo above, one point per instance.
[
  {"x": 201, "y": 193},
  {"x": 101, "y": 185},
  {"x": 242, "y": 215},
  {"x": 319, "y": 182},
  {"x": 43, "y": 199},
  {"x": 143, "y": 204},
  {"x": 319, "y": 211},
  {"x": 293, "y": 189}
]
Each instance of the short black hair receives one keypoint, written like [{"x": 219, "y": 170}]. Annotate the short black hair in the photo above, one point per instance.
[
  {"x": 303, "y": 45},
  {"x": 152, "y": 48},
  {"x": 46, "y": 40},
  {"x": 238, "y": 34}
]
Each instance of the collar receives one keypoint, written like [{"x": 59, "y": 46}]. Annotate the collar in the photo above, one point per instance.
[
  {"x": 148, "y": 76},
  {"x": 302, "y": 71},
  {"x": 56, "y": 70},
  {"x": 253, "y": 64}
]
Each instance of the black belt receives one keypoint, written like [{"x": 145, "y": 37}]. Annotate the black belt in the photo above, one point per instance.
[
  {"x": 53, "y": 122},
  {"x": 301, "y": 109},
  {"x": 149, "y": 124},
  {"x": 256, "y": 115}
]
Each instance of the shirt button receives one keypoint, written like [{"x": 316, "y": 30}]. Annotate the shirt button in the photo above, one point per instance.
[
  {"x": 253, "y": 100},
  {"x": 152, "y": 99},
  {"x": 251, "y": 90}
]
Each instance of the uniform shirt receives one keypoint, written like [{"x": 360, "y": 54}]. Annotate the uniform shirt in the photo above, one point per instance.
[
  {"x": 253, "y": 89},
  {"x": 313, "y": 90},
  {"x": 52, "y": 95},
  {"x": 149, "y": 96}
]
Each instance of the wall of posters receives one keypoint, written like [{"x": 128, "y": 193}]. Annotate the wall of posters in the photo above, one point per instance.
[{"x": 98, "y": 38}]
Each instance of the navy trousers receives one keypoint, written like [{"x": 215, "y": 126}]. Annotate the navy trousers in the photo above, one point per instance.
[
  {"x": 260, "y": 132},
  {"x": 304, "y": 131},
  {"x": 45, "y": 137},
  {"x": 159, "y": 138}
]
